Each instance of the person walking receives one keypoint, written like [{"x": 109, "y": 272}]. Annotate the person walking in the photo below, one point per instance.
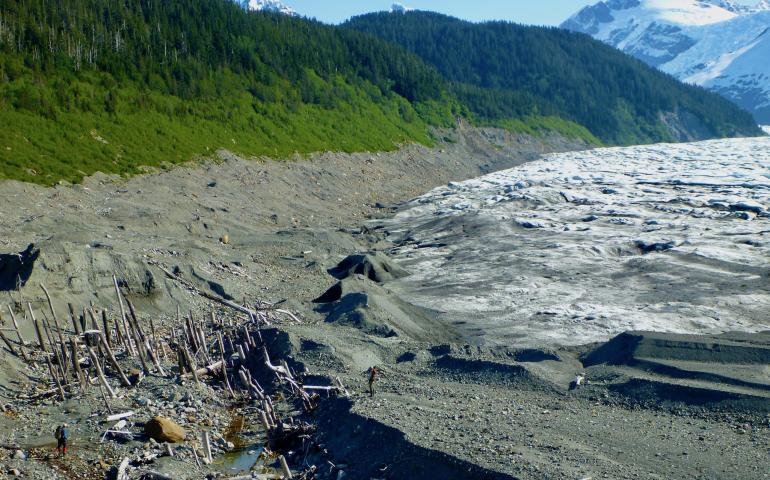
[
  {"x": 374, "y": 372},
  {"x": 61, "y": 434}
]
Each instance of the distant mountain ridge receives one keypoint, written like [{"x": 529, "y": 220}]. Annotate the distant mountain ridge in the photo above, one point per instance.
[
  {"x": 721, "y": 45},
  {"x": 502, "y": 70}
]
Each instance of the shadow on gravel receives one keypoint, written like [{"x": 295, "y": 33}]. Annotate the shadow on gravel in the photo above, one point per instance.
[
  {"x": 16, "y": 268},
  {"x": 468, "y": 370},
  {"x": 630, "y": 346},
  {"x": 366, "y": 448},
  {"x": 667, "y": 363},
  {"x": 657, "y": 394},
  {"x": 674, "y": 372}
]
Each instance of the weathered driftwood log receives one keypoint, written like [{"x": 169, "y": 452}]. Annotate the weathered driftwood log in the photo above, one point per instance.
[
  {"x": 224, "y": 363},
  {"x": 192, "y": 334},
  {"x": 37, "y": 328},
  {"x": 118, "y": 416},
  {"x": 206, "y": 441},
  {"x": 207, "y": 295},
  {"x": 191, "y": 363},
  {"x": 60, "y": 367},
  {"x": 22, "y": 343},
  {"x": 126, "y": 335},
  {"x": 265, "y": 421},
  {"x": 143, "y": 340},
  {"x": 58, "y": 327},
  {"x": 76, "y": 365},
  {"x": 107, "y": 328},
  {"x": 104, "y": 397},
  {"x": 100, "y": 373},
  {"x": 114, "y": 361},
  {"x": 75, "y": 324},
  {"x": 7, "y": 342},
  {"x": 285, "y": 467},
  {"x": 123, "y": 470},
  {"x": 208, "y": 370},
  {"x": 16, "y": 327},
  {"x": 55, "y": 377}
]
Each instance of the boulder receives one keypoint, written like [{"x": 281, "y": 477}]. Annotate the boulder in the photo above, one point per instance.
[{"x": 164, "y": 430}]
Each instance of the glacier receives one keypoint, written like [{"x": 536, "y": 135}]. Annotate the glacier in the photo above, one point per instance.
[{"x": 578, "y": 247}]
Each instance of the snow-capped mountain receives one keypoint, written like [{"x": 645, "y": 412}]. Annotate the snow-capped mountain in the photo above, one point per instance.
[
  {"x": 719, "y": 44},
  {"x": 401, "y": 8},
  {"x": 268, "y": 6}
]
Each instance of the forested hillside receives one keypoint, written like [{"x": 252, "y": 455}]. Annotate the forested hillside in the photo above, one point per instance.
[
  {"x": 116, "y": 85},
  {"x": 112, "y": 85},
  {"x": 501, "y": 70}
]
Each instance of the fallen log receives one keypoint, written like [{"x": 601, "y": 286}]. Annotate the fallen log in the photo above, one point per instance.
[
  {"x": 118, "y": 416},
  {"x": 210, "y": 296},
  {"x": 123, "y": 470},
  {"x": 207, "y": 370}
]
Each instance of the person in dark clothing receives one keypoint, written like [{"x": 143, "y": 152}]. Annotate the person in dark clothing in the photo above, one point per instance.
[
  {"x": 373, "y": 374},
  {"x": 61, "y": 434}
]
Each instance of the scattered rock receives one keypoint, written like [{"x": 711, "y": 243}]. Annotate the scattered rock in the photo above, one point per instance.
[{"x": 649, "y": 247}]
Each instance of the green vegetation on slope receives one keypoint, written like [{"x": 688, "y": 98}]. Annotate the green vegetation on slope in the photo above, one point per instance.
[
  {"x": 152, "y": 129},
  {"x": 112, "y": 85},
  {"x": 501, "y": 70},
  {"x": 117, "y": 85}
]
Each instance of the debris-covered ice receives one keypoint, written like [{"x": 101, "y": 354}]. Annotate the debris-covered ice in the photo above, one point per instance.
[{"x": 577, "y": 247}]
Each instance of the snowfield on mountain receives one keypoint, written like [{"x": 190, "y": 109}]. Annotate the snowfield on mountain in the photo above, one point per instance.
[{"x": 720, "y": 45}]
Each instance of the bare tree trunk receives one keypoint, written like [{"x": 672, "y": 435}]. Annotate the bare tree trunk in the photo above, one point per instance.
[
  {"x": 37, "y": 327},
  {"x": 127, "y": 336},
  {"x": 55, "y": 377},
  {"x": 76, "y": 365},
  {"x": 100, "y": 373},
  {"x": 106, "y": 324},
  {"x": 114, "y": 362},
  {"x": 75, "y": 324},
  {"x": 16, "y": 326}
]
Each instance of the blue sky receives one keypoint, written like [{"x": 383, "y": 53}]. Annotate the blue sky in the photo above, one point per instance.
[{"x": 540, "y": 12}]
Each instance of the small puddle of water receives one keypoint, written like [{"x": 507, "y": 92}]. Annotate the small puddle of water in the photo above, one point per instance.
[{"x": 246, "y": 454}]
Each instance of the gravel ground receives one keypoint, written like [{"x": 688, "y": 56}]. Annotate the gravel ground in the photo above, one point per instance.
[{"x": 258, "y": 229}]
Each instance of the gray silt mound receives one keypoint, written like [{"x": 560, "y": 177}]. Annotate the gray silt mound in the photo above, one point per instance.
[
  {"x": 375, "y": 266},
  {"x": 84, "y": 274},
  {"x": 723, "y": 349},
  {"x": 359, "y": 302},
  {"x": 720, "y": 371}
]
